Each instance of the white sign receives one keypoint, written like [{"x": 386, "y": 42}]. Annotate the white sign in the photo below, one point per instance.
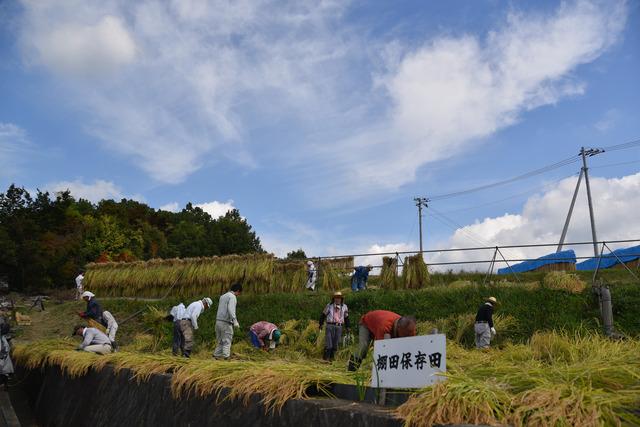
[{"x": 411, "y": 362}]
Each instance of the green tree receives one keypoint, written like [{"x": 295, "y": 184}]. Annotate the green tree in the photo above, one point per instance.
[{"x": 298, "y": 254}]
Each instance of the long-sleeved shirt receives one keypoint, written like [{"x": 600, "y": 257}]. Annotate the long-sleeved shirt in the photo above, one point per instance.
[
  {"x": 79, "y": 280},
  {"x": 379, "y": 322},
  {"x": 227, "y": 308},
  {"x": 178, "y": 312},
  {"x": 93, "y": 336},
  {"x": 263, "y": 330},
  {"x": 361, "y": 273},
  {"x": 193, "y": 312},
  {"x": 94, "y": 310},
  {"x": 335, "y": 314},
  {"x": 485, "y": 314}
]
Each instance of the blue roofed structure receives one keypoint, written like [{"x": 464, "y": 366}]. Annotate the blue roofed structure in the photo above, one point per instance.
[
  {"x": 562, "y": 257},
  {"x": 610, "y": 260}
]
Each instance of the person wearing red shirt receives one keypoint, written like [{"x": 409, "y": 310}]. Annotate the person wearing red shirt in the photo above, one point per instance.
[{"x": 378, "y": 325}]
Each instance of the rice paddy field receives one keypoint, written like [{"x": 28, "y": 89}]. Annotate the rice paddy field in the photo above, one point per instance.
[{"x": 550, "y": 366}]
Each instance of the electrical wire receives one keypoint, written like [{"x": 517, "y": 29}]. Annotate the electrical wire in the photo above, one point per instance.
[
  {"x": 545, "y": 169},
  {"x": 456, "y": 226},
  {"x": 514, "y": 196},
  {"x": 608, "y": 165},
  {"x": 623, "y": 146}
]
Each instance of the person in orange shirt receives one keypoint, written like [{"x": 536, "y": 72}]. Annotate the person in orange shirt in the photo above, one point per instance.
[{"x": 379, "y": 325}]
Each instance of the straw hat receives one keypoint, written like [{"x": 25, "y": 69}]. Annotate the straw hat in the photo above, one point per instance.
[
  {"x": 492, "y": 300},
  {"x": 338, "y": 294}
]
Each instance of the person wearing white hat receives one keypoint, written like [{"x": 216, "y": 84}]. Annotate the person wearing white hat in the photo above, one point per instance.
[
  {"x": 93, "y": 340},
  {"x": 312, "y": 276},
  {"x": 483, "y": 327},
  {"x": 226, "y": 320},
  {"x": 337, "y": 315},
  {"x": 94, "y": 309},
  {"x": 189, "y": 323}
]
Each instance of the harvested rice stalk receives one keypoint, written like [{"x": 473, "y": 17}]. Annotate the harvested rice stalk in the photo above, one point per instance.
[
  {"x": 389, "y": 273},
  {"x": 564, "y": 281},
  {"x": 414, "y": 272}
]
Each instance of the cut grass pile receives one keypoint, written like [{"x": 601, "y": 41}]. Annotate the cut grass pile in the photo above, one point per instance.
[
  {"x": 564, "y": 281},
  {"x": 260, "y": 274}
]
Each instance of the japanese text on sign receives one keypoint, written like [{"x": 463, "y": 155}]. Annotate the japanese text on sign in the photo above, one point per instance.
[{"x": 410, "y": 362}]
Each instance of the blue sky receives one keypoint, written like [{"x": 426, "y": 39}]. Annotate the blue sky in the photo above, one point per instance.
[{"x": 321, "y": 121}]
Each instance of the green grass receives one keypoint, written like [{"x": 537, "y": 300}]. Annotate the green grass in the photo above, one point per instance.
[{"x": 532, "y": 308}]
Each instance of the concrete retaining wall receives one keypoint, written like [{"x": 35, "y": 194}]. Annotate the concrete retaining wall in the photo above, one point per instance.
[{"x": 107, "y": 398}]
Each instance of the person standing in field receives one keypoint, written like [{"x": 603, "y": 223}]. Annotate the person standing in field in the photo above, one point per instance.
[
  {"x": 379, "y": 325},
  {"x": 264, "y": 335},
  {"x": 360, "y": 277},
  {"x": 226, "y": 320},
  {"x": 176, "y": 313},
  {"x": 112, "y": 327},
  {"x": 79, "y": 279},
  {"x": 312, "y": 276},
  {"x": 189, "y": 323},
  {"x": 336, "y": 314},
  {"x": 483, "y": 327}
]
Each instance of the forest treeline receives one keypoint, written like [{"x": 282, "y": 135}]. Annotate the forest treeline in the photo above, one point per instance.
[{"x": 45, "y": 239}]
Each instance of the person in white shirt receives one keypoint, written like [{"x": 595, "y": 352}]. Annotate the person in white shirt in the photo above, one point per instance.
[
  {"x": 79, "y": 290},
  {"x": 312, "y": 276},
  {"x": 189, "y": 323},
  {"x": 176, "y": 313},
  {"x": 226, "y": 320}
]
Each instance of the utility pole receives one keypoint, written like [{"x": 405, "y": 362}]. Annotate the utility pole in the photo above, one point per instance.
[
  {"x": 420, "y": 201},
  {"x": 589, "y": 153}
]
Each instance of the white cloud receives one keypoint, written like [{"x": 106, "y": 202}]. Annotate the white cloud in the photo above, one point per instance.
[
  {"x": 616, "y": 203},
  {"x": 94, "y": 192},
  {"x": 451, "y": 92},
  {"x": 170, "y": 207},
  {"x": 84, "y": 49},
  {"x": 376, "y": 260},
  {"x": 196, "y": 72},
  {"x": 216, "y": 209}
]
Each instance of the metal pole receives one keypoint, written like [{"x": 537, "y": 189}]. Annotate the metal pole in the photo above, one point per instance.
[
  {"x": 566, "y": 223},
  {"x": 420, "y": 201},
  {"x": 420, "y": 223},
  {"x": 586, "y": 179}
]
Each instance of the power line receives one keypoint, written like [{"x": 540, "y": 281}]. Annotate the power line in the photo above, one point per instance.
[
  {"x": 614, "y": 164},
  {"x": 456, "y": 226},
  {"x": 545, "y": 169},
  {"x": 623, "y": 146},
  {"x": 513, "y": 196}
]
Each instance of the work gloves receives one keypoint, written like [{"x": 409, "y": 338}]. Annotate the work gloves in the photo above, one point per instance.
[
  {"x": 236, "y": 324},
  {"x": 493, "y": 331}
]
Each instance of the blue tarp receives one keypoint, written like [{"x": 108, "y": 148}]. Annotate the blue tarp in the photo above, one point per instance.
[
  {"x": 609, "y": 260},
  {"x": 554, "y": 258}
]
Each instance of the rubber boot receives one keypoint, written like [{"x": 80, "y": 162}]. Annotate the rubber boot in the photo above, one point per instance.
[
  {"x": 332, "y": 354},
  {"x": 327, "y": 354}
]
